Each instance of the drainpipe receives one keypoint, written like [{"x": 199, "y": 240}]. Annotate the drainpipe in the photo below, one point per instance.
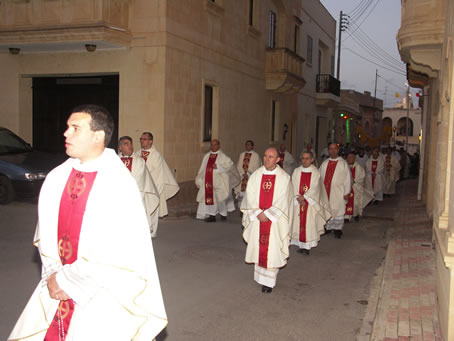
[{"x": 422, "y": 151}]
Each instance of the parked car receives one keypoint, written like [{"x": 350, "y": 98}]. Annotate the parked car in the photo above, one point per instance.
[{"x": 22, "y": 169}]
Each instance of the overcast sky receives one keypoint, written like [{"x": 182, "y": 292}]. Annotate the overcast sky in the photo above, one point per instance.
[{"x": 371, "y": 34}]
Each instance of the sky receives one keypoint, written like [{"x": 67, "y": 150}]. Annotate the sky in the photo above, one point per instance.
[{"x": 371, "y": 34}]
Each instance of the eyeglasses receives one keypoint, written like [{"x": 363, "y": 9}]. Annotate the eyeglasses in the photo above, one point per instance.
[{"x": 142, "y": 138}]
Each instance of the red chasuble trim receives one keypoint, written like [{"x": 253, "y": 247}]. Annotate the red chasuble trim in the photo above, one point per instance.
[
  {"x": 145, "y": 155},
  {"x": 329, "y": 176},
  {"x": 305, "y": 184},
  {"x": 246, "y": 161},
  {"x": 265, "y": 202},
  {"x": 209, "y": 179},
  {"x": 72, "y": 208},
  {"x": 128, "y": 162},
  {"x": 374, "y": 166},
  {"x": 351, "y": 201}
]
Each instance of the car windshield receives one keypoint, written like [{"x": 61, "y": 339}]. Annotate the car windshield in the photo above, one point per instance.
[{"x": 11, "y": 144}]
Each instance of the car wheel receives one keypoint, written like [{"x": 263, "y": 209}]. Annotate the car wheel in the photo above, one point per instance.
[{"x": 6, "y": 190}]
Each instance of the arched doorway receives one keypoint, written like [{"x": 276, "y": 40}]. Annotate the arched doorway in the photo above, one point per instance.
[{"x": 402, "y": 127}]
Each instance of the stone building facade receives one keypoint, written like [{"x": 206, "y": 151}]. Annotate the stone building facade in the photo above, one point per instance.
[
  {"x": 187, "y": 71},
  {"x": 425, "y": 44}
]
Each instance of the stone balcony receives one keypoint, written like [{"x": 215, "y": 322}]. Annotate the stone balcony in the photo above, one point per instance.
[
  {"x": 283, "y": 71},
  {"x": 62, "y": 25},
  {"x": 420, "y": 37}
]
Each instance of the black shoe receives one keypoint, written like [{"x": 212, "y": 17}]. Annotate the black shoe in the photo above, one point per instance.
[
  {"x": 223, "y": 218},
  {"x": 327, "y": 231},
  {"x": 266, "y": 289},
  {"x": 304, "y": 251},
  {"x": 346, "y": 220},
  {"x": 338, "y": 234},
  {"x": 210, "y": 219},
  {"x": 357, "y": 218},
  {"x": 376, "y": 202}
]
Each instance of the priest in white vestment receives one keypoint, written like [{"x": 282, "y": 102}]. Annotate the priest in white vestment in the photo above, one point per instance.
[
  {"x": 375, "y": 166},
  {"x": 336, "y": 178},
  {"x": 99, "y": 278},
  {"x": 391, "y": 172},
  {"x": 162, "y": 176},
  {"x": 139, "y": 171},
  {"x": 311, "y": 209},
  {"x": 248, "y": 162},
  {"x": 216, "y": 178},
  {"x": 287, "y": 162},
  {"x": 361, "y": 158},
  {"x": 267, "y": 210},
  {"x": 359, "y": 197}
]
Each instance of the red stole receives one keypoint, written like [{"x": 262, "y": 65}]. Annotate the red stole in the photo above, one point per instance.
[
  {"x": 127, "y": 160},
  {"x": 246, "y": 160},
  {"x": 145, "y": 155},
  {"x": 351, "y": 200},
  {"x": 305, "y": 184},
  {"x": 281, "y": 161},
  {"x": 209, "y": 179},
  {"x": 265, "y": 202},
  {"x": 70, "y": 216},
  {"x": 374, "y": 165},
  {"x": 329, "y": 176}
]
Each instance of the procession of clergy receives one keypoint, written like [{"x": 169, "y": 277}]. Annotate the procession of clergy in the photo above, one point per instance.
[{"x": 281, "y": 204}]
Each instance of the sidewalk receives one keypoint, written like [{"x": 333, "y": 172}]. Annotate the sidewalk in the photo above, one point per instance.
[{"x": 403, "y": 303}]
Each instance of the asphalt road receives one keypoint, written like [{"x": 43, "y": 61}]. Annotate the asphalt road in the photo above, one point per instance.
[{"x": 209, "y": 291}]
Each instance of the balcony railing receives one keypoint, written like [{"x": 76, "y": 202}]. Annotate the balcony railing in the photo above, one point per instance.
[{"x": 328, "y": 84}]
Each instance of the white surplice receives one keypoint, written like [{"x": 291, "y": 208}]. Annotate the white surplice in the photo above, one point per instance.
[
  {"x": 114, "y": 281},
  {"x": 279, "y": 213},
  {"x": 340, "y": 186},
  {"x": 362, "y": 196},
  {"x": 147, "y": 188},
  {"x": 378, "y": 181},
  {"x": 162, "y": 177},
  {"x": 225, "y": 177},
  {"x": 318, "y": 211}
]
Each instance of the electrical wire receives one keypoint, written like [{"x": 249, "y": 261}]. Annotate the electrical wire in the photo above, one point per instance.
[
  {"x": 353, "y": 20},
  {"x": 373, "y": 53},
  {"x": 384, "y": 67},
  {"x": 360, "y": 34}
]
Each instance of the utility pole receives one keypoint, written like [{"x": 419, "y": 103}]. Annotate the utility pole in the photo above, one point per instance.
[
  {"x": 343, "y": 24},
  {"x": 375, "y": 92}
]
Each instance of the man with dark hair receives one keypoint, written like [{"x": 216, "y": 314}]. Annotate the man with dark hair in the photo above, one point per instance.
[
  {"x": 267, "y": 210},
  {"x": 160, "y": 172},
  {"x": 248, "y": 163},
  {"x": 139, "y": 171},
  {"x": 100, "y": 119},
  {"x": 99, "y": 278}
]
